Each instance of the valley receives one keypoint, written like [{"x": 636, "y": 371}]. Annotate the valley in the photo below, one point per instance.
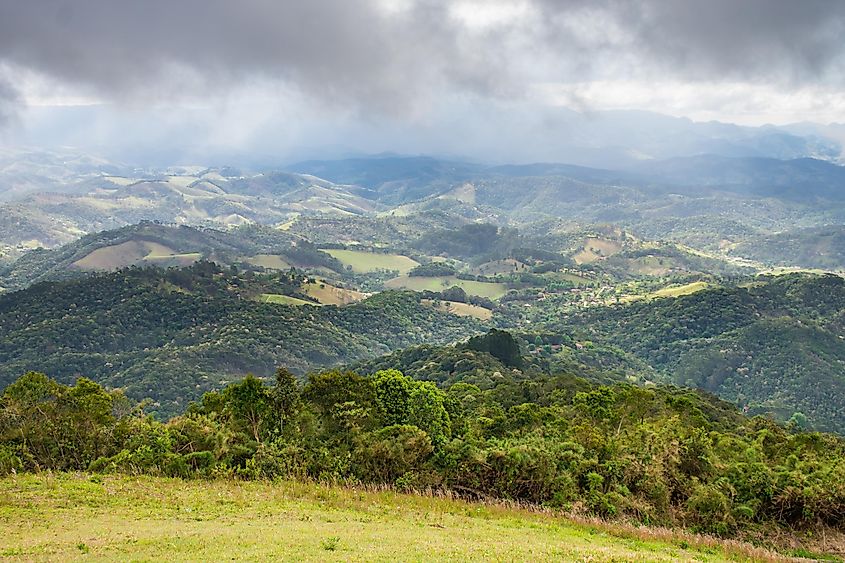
[
  {"x": 422, "y": 280},
  {"x": 484, "y": 289}
]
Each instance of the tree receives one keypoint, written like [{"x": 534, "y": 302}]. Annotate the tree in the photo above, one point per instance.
[
  {"x": 393, "y": 393},
  {"x": 249, "y": 403},
  {"x": 286, "y": 396},
  {"x": 427, "y": 412},
  {"x": 499, "y": 344}
]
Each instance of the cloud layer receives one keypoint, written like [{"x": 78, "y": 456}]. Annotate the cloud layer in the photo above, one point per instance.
[
  {"x": 391, "y": 56},
  {"x": 416, "y": 61}
]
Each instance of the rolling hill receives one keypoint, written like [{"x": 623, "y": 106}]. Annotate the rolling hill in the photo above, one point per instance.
[
  {"x": 173, "y": 335},
  {"x": 775, "y": 346}
]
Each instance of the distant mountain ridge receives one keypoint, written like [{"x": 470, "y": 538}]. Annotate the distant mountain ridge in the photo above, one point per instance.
[{"x": 708, "y": 202}]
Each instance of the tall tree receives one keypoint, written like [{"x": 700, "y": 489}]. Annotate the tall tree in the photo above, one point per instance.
[{"x": 286, "y": 396}]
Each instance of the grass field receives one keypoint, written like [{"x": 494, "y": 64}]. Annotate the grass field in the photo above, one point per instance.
[
  {"x": 679, "y": 290},
  {"x": 284, "y": 299},
  {"x": 595, "y": 249},
  {"x": 328, "y": 294},
  {"x": 462, "y": 309},
  {"x": 134, "y": 252},
  {"x": 670, "y": 291},
  {"x": 66, "y": 517},
  {"x": 420, "y": 283},
  {"x": 364, "y": 262},
  {"x": 164, "y": 260},
  {"x": 570, "y": 277},
  {"x": 269, "y": 261}
]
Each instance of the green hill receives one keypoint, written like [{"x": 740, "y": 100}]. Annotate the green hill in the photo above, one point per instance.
[
  {"x": 154, "y": 244},
  {"x": 773, "y": 346},
  {"x": 658, "y": 456},
  {"x": 173, "y": 335}
]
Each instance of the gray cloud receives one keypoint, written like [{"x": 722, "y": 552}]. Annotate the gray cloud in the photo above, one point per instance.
[
  {"x": 356, "y": 55},
  {"x": 745, "y": 40},
  {"x": 352, "y": 51},
  {"x": 335, "y": 50}
]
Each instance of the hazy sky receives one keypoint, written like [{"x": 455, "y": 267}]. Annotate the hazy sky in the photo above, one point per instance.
[{"x": 405, "y": 75}]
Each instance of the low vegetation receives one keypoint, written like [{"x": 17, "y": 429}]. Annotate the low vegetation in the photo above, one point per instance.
[
  {"x": 657, "y": 456},
  {"x": 111, "y": 517}
]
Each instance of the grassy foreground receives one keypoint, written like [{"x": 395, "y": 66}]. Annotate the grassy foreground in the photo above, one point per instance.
[{"x": 79, "y": 516}]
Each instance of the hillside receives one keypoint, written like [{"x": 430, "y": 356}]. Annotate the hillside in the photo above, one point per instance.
[
  {"x": 80, "y": 200},
  {"x": 773, "y": 346},
  {"x": 717, "y": 204},
  {"x": 173, "y": 335},
  {"x": 285, "y": 520},
  {"x": 155, "y": 244},
  {"x": 816, "y": 247},
  {"x": 653, "y": 456}
]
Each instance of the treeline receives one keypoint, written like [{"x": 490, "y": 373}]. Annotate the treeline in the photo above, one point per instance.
[{"x": 657, "y": 455}]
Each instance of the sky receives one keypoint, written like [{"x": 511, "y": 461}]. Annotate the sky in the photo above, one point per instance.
[{"x": 488, "y": 79}]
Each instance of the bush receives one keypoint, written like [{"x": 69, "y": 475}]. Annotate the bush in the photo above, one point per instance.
[
  {"x": 387, "y": 454},
  {"x": 10, "y": 462},
  {"x": 709, "y": 510}
]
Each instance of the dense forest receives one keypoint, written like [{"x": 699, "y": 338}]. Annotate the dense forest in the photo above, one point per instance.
[
  {"x": 171, "y": 335},
  {"x": 772, "y": 345}
]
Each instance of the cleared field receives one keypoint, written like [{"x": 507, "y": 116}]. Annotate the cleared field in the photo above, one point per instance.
[
  {"x": 284, "y": 300},
  {"x": 363, "y": 262},
  {"x": 185, "y": 259},
  {"x": 461, "y": 309},
  {"x": 181, "y": 181},
  {"x": 134, "y": 252},
  {"x": 120, "y": 180},
  {"x": 671, "y": 291},
  {"x": 420, "y": 283},
  {"x": 678, "y": 290},
  {"x": 269, "y": 261},
  {"x": 507, "y": 266},
  {"x": 650, "y": 266},
  {"x": 595, "y": 249},
  {"x": 328, "y": 294},
  {"x": 68, "y": 517},
  {"x": 287, "y": 224}
]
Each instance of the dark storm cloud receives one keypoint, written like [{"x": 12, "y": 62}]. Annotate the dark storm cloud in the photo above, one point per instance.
[
  {"x": 355, "y": 53},
  {"x": 742, "y": 39},
  {"x": 332, "y": 49}
]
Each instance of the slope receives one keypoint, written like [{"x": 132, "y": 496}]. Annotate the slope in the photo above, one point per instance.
[
  {"x": 173, "y": 335},
  {"x": 775, "y": 346}
]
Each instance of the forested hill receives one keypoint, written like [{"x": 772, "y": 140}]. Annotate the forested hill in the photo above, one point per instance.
[
  {"x": 776, "y": 345},
  {"x": 173, "y": 335}
]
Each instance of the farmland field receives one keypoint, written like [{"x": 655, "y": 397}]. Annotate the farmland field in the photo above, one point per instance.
[
  {"x": 134, "y": 252},
  {"x": 595, "y": 249},
  {"x": 65, "y": 517},
  {"x": 328, "y": 294},
  {"x": 669, "y": 291},
  {"x": 269, "y": 261},
  {"x": 284, "y": 300},
  {"x": 363, "y": 262},
  {"x": 462, "y": 309},
  {"x": 422, "y": 283},
  {"x": 679, "y": 290}
]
